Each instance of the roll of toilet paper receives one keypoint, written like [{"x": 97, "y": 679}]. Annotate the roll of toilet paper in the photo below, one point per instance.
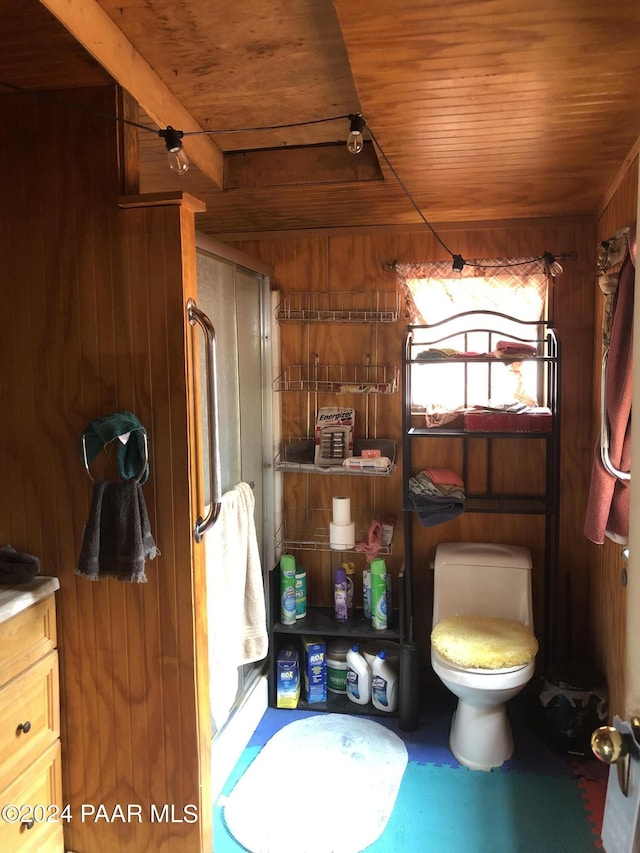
[
  {"x": 342, "y": 536},
  {"x": 342, "y": 510}
]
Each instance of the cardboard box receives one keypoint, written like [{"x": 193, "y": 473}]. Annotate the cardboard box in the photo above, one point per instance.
[
  {"x": 334, "y": 435},
  {"x": 314, "y": 668},
  {"x": 287, "y": 679}
]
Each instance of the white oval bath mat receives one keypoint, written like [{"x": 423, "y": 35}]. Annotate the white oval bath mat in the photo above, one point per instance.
[{"x": 324, "y": 784}]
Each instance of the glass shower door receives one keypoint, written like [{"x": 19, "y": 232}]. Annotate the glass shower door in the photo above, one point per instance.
[{"x": 236, "y": 301}]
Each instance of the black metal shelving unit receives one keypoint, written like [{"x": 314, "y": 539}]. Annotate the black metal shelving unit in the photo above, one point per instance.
[
  {"x": 543, "y": 338},
  {"x": 320, "y": 621}
]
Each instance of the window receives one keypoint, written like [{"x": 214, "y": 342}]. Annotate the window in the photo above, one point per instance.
[{"x": 498, "y": 304}]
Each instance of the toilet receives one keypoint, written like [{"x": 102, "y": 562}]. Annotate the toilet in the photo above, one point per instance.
[{"x": 482, "y": 644}]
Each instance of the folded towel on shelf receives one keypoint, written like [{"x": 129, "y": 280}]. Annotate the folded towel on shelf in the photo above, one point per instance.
[
  {"x": 17, "y": 567},
  {"x": 514, "y": 349},
  {"x": 435, "y": 503},
  {"x": 436, "y": 509},
  {"x": 423, "y": 484},
  {"x": 131, "y": 453},
  {"x": 437, "y": 353},
  {"x": 117, "y": 538},
  {"x": 443, "y": 477}
]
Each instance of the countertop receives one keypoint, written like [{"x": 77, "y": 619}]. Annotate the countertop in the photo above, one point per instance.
[{"x": 14, "y": 599}]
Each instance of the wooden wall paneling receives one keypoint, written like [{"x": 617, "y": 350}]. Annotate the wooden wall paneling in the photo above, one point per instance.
[
  {"x": 358, "y": 256},
  {"x": 574, "y": 297},
  {"x": 16, "y": 362},
  {"x": 96, "y": 301},
  {"x": 608, "y": 602},
  {"x": 180, "y": 760}
]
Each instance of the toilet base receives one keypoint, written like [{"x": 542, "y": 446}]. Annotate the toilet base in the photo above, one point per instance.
[{"x": 480, "y": 737}]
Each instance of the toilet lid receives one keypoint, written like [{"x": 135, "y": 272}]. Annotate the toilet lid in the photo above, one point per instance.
[{"x": 484, "y": 642}]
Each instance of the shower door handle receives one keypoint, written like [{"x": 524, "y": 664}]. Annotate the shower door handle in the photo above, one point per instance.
[{"x": 195, "y": 315}]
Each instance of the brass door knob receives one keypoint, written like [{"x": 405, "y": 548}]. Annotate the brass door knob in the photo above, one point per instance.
[
  {"x": 613, "y": 747},
  {"x": 608, "y": 744}
]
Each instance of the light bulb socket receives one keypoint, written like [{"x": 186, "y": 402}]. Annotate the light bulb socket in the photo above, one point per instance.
[
  {"x": 551, "y": 265},
  {"x": 178, "y": 160},
  {"x": 172, "y": 138},
  {"x": 355, "y": 140},
  {"x": 358, "y": 123}
]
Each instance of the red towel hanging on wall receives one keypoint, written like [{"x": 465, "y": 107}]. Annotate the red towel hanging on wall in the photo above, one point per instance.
[{"x": 608, "y": 505}]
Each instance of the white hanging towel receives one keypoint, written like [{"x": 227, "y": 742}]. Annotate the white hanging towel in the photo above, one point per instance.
[{"x": 235, "y": 598}]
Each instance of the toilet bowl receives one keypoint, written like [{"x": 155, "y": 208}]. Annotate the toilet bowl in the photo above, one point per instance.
[{"x": 482, "y": 646}]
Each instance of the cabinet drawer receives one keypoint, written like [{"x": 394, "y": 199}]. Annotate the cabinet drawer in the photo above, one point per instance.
[
  {"x": 39, "y": 785},
  {"x": 26, "y": 637},
  {"x": 31, "y": 700}
]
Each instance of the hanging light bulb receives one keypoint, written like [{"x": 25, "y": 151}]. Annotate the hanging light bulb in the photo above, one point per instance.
[
  {"x": 178, "y": 160},
  {"x": 355, "y": 140},
  {"x": 552, "y": 266}
]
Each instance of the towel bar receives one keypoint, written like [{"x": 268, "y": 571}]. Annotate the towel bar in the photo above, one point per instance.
[
  {"x": 144, "y": 464},
  {"x": 604, "y": 429}
]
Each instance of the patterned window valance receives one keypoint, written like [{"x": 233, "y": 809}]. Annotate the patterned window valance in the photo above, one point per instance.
[{"x": 433, "y": 291}]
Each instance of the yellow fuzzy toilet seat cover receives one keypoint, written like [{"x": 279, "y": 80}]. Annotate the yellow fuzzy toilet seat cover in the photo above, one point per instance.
[{"x": 483, "y": 642}]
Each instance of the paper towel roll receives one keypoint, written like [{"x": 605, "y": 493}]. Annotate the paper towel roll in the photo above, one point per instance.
[
  {"x": 342, "y": 536},
  {"x": 342, "y": 510}
]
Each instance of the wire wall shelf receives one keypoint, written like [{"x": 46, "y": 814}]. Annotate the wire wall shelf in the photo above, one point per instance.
[
  {"x": 340, "y": 307},
  {"x": 339, "y": 379},
  {"x": 297, "y": 456},
  {"x": 308, "y": 530}
]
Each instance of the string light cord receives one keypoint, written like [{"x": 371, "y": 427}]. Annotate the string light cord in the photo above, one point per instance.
[
  {"x": 407, "y": 193},
  {"x": 458, "y": 261},
  {"x": 173, "y": 139},
  {"x": 202, "y": 132},
  {"x": 49, "y": 96},
  {"x": 547, "y": 257},
  {"x": 265, "y": 127}
]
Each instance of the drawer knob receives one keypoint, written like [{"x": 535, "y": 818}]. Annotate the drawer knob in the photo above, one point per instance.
[
  {"x": 25, "y": 727},
  {"x": 28, "y": 824}
]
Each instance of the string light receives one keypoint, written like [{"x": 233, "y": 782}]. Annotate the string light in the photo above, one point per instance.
[
  {"x": 355, "y": 140},
  {"x": 179, "y": 162},
  {"x": 551, "y": 264}
]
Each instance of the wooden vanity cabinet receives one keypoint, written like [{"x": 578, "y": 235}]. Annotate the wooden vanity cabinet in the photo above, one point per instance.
[{"x": 30, "y": 773}]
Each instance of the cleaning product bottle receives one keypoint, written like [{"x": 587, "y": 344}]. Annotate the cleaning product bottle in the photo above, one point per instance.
[
  {"x": 337, "y": 665},
  {"x": 379, "y": 594},
  {"x": 358, "y": 676},
  {"x": 301, "y": 592},
  {"x": 288, "y": 589},
  {"x": 384, "y": 684},
  {"x": 350, "y": 569},
  {"x": 366, "y": 593},
  {"x": 389, "y": 599},
  {"x": 340, "y": 595}
]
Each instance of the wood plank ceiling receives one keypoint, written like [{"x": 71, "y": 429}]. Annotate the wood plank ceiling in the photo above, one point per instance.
[{"x": 486, "y": 109}]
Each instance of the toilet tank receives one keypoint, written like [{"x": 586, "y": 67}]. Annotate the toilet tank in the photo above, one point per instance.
[{"x": 482, "y": 579}]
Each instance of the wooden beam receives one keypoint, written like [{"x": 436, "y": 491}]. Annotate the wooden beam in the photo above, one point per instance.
[
  {"x": 90, "y": 25},
  {"x": 128, "y": 143},
  {"x": 328, "y": 163}
]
